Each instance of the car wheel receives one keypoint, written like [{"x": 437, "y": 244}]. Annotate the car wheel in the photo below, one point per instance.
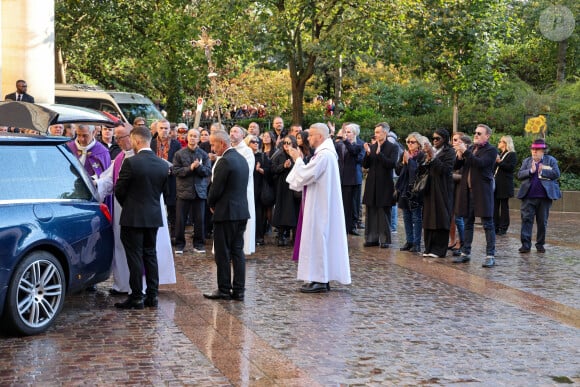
[{"x": 35, "y": 294}]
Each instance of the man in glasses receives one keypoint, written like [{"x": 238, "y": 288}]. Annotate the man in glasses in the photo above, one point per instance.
[
  {"x": 322, "y": 245},
  {"x": 476, "y": 191},
  {"x": 538, "y": 175},
  {"x": 21, "y": 93}
]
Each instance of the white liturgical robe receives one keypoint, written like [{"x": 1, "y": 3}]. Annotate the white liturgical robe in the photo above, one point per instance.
[
  {"x": 323, "y": 251},
  {"x": 250, "y": 233}
]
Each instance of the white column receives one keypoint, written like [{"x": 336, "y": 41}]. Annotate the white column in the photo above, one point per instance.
[{"x": 27, "y": 47}]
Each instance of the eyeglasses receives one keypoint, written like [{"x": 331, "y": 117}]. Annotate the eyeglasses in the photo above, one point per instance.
[
  {"x": 122, "y": 137},
  {"x": 411, "y": 142},
  {"x": 436, "y": 138},
  {"x": 287, "y": 143},
  {"x": 479, "y": 133}
]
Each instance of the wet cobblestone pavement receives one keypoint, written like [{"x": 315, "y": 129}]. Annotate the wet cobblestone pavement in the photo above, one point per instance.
[{"x": 405, "y": 320}]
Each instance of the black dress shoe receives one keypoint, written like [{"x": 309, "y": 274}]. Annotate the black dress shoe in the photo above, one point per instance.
[
  {"x": 354, "y": 232},
  {"x": 524, "y": 250},
  {"x": 259, "y": 242},
  {"x": 415, "y": 249},
  {"x": 384, "y": 245},
  {"x": 115, "y": 292},
  {"x": 218, "y": 295},
  {"x": 371, "y": 244},
  {"x": 541, "y": 249},
  {"x": 406, "y": 247},
  {"x": 151, "y": 302},
  {"x": 237, "y": 296},
  {"x": 315, "y": 287},
  {"x": 463, "y": 258},
  {"x": 130, "y": 303}
]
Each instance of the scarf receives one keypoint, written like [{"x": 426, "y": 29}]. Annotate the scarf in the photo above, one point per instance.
[{"x": 83, "y": 151}]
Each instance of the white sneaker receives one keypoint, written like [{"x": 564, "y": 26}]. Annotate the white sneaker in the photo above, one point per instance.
[
  {"x": 200, "y": 250},
  {"x": 179, "y": 252}
]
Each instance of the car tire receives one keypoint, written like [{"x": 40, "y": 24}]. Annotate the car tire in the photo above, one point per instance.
[{"x": 35, "y": 294}]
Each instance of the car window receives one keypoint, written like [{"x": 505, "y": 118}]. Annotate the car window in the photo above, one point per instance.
[
  {"x": 39, "y": 173},
  {"x": 132, "y": 110}
]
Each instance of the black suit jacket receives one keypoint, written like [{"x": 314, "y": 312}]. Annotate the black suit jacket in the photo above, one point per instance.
[
  {"x": 228, "y": 191},
  {"x": 25, "y": 97},
  {"x": 142, "y": 180}
]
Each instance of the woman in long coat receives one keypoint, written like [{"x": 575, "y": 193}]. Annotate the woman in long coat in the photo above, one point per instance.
[
  {"x": 438, "y": 196},
  {"x": 411, "y": 205},
  {"x": 285, "y": 216},
  {"x": 504, "y": 184}
]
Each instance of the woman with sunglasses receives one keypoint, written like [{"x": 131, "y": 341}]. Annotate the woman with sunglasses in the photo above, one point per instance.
[
  {"x": 285, "y": 216},
  {"x": 411, "y": 205},
  {"x": 438, "y": 194},
  {"x": 504, "y": 184},
  {"x": 261, "y": 178}
]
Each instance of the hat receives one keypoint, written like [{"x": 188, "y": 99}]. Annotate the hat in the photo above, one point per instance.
[
  {"x": 539, "y": 144},
  {"x": 181, "y": 128}
]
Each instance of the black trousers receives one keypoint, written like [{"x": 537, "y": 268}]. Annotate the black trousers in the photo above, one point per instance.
[
  {"x": 195, "y": 207},
  {"x": 349, "y": 204},
  {"x": 228, "y": 240},
  {"x": 140, "y": 245},
  {"x": 501, "y": 214}
]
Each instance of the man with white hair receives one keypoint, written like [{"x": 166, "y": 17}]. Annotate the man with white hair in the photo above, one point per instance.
[{"x": 323, "y": 249}]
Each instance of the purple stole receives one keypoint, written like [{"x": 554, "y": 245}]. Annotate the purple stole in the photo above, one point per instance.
[{"x": 117, "y": 167}]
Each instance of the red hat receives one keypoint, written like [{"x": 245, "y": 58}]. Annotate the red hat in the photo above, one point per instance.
[{"x": 539, "y": 144}]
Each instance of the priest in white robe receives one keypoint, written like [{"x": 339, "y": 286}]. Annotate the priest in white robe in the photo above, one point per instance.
[
  {"x": 323, "y": 248},
  {"x": 237, "y": 135},
  {"x": 105, "y": 186}
]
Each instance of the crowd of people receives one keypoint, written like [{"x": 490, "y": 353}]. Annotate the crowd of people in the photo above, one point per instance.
[{"x": 439, "y": 184}]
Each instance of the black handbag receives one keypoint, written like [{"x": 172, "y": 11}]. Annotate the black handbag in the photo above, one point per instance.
[{"x": 421, "y": 184}]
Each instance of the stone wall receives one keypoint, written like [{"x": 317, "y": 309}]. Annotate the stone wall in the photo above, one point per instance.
[{"x": 570, "y": 202}]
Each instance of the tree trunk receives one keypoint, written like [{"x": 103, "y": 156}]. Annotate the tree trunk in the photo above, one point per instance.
[
  {"x": 562, "y": 48},
  {"x": 297, "y": 100},
  {"x": 455, "y": 112},
  {"x": 60, "y": 67},
  {"x": 338, "y": 89}
]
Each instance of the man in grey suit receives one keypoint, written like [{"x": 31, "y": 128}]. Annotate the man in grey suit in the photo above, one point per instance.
[
  {"x": 142, "y": 180},
  {"x": 538, "y": 174},
  {"x": 20, "y": 93},
  {"x": 229, "y": 204}
]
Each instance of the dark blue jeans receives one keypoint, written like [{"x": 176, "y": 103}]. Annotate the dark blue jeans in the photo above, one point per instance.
[
  {"x": 540, "y": 210},
  {"x": 413, "y": 220},
  {"x": 488, "y": 227},
  {"x": 460, "y": 225}
]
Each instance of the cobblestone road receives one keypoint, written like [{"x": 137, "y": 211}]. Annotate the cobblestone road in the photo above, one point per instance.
[{"x": 405, "y": 320}]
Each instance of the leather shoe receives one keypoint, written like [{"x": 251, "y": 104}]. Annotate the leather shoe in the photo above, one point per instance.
[
  {"x": 371, "y": 244},
  {"x": 151, "y": 302},
  {"x": 354, "y": 232},
  {"x": 130, "y": 303},
  {"x": 218, "y": 295},
  {"x": 384, "y": 245},
  {"x": 315, "y": 287},
  {"x": 489, "y": 262},
  {"x": 463, "y": 258},
  {"x": 524, "y": 250},
  {"x": 415, "y": 249},
  {"x": 115, "y": 292},
  {"x": 541, "y": 249},
  {"x": 406, "y": 247},
  {"x": 237, "y": 296}
]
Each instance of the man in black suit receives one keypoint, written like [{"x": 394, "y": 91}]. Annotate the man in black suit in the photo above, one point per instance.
[
  {"x": 142, "y": 180},
  {"x": 228, "y": 202},
  {"x": 20, "y": 93},
  {"x": 165, "y": 147}
]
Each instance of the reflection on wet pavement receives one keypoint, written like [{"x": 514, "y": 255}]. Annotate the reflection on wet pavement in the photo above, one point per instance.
[{"x": 404, "y": 320}]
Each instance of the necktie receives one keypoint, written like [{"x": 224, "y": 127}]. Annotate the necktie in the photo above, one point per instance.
[{"x": 19, "y": 97}]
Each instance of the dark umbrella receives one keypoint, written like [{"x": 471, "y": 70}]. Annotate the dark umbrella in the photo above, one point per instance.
[{"x": 26, "y": 115}]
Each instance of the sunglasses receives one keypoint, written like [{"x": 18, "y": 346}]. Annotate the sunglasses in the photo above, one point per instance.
[
  {"x": 436, "y": 138},
  {"x": 479, "y": 133},
  {"x": 287, "y": 143},
  {"x": 253, "y": 142},
  {"x": 411, "y": 142}
]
